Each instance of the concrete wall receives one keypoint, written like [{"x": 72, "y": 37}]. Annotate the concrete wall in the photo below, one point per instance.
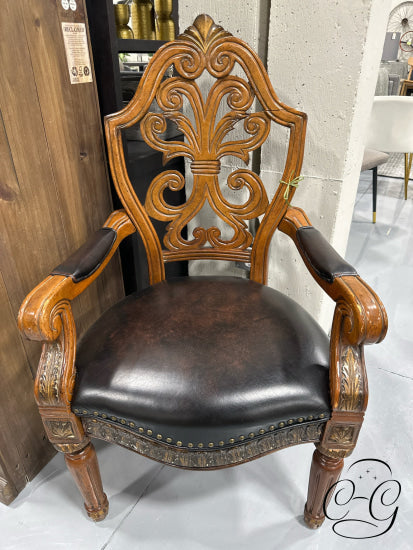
[
  {"x": 247, "y": 20},
  {"x": 327, "y": 66},
  {"x": 323, "y": 58}
]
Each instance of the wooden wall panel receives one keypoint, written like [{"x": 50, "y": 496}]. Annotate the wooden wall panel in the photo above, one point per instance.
[
  {"x": 54, "y": 192},
  {"x": 23, "y": 448}
]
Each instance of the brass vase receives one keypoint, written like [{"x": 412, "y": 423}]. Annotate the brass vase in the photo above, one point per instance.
[
  {"x": 134, "y": 11},
  {"x": 121, "y": 20},
  {"x": 164, "y": 25},
  {"x": 145, "y": 19}
]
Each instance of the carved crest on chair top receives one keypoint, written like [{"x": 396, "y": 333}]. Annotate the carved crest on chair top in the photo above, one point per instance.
[{"x": 204, "y": 32}]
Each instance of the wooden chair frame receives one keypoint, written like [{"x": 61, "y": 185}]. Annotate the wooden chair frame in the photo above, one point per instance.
[{"x": 359, "y": 316}]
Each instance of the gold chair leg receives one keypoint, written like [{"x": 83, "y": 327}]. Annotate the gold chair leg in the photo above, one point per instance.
[
  {"x": 407, "y": 167},
  {"x": 324, "y": 472},
  {"x": 83, "y": 466},
  {"x": 374, "y": 193}
]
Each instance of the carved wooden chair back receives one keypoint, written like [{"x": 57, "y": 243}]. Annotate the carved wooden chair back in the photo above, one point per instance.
[{"x": 206, "y": 47}]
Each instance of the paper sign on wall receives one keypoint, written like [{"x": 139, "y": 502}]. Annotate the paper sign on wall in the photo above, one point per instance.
[{"x": 77, "y": 52}]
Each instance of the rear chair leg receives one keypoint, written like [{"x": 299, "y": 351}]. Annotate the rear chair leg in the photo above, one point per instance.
[
  {"x": 83, "y": 466},
  {"x": 325, "y": 471}
]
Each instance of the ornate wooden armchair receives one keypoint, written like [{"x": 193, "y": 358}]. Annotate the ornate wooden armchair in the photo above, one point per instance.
[{"x": 204, "y": 372}]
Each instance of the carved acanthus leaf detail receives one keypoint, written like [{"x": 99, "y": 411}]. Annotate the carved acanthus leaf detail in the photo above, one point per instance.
[
  {"x": 336, "y": 453},
  {"x": 203, "y": 32},
  {"x": 185, "y": 458},
  {"x": 342, "y": 434},
  {"x": 60, "y": 429},
  {"x": 55, "y": 375},
  {"x": 351, "y": 391},
  {"x": 51, "y": 362}
]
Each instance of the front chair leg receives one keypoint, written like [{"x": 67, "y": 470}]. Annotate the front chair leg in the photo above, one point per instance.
[
  {"x": 83, "y": 466},
  {"x": 325, "y": 471}
]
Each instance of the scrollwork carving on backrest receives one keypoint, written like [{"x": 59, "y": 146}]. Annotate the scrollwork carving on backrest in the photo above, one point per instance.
[
  {"x": 205, "y": 46},
  {"x": 205, "y": 146}
]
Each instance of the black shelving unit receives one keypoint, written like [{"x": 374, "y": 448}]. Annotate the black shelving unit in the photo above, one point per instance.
[
  {"x": 143, "y": 162},
  {"x": 106, "y": 48},
  {"x": 139, "y": 46}
]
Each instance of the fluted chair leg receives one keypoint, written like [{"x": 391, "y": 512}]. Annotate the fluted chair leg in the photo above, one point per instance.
[
  {"x": 325, "y": 471},
  {"x": 83, "y": 466}
]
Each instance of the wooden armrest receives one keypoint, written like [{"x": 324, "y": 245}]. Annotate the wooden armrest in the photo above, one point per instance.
[
  {"x": 40, "y": 314},
  {"x": 359, "y": 319},
  {"x": 366, "y": 317}
]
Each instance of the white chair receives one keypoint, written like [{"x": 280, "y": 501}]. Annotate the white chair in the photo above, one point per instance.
[{"x": 391, "y": 129}]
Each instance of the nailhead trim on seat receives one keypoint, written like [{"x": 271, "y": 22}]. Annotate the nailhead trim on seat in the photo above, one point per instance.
[{"x": 200, "y": 445}]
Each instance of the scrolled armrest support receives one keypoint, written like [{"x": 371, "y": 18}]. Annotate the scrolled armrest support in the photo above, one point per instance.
[
  {"x": 46, "y": 315},
  {"x": 363, "y": 319},
  {"x": 39, "y": 315}
]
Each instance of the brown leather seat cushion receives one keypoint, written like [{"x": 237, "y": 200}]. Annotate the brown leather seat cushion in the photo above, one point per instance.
[{"x": 204, "y": 360}]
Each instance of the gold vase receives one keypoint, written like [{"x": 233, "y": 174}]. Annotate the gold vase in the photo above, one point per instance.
[
  {"x": 164, "y": 25},
  {"x": 134, "y": 11},
  {"x": 145, "y": 20},
  {"x": 121, "y": 20}
]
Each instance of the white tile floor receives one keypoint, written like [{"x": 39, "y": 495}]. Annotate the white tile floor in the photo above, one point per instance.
[{"x": 257, "y": 505}]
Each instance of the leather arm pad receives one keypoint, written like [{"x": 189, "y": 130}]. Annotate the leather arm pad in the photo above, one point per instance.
[
  {"x": 322, "y": 257},
  {"x": 88, "y": 258},
  {"x": 42, "y": 310},
  {"x": 360, "y": 316}
]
